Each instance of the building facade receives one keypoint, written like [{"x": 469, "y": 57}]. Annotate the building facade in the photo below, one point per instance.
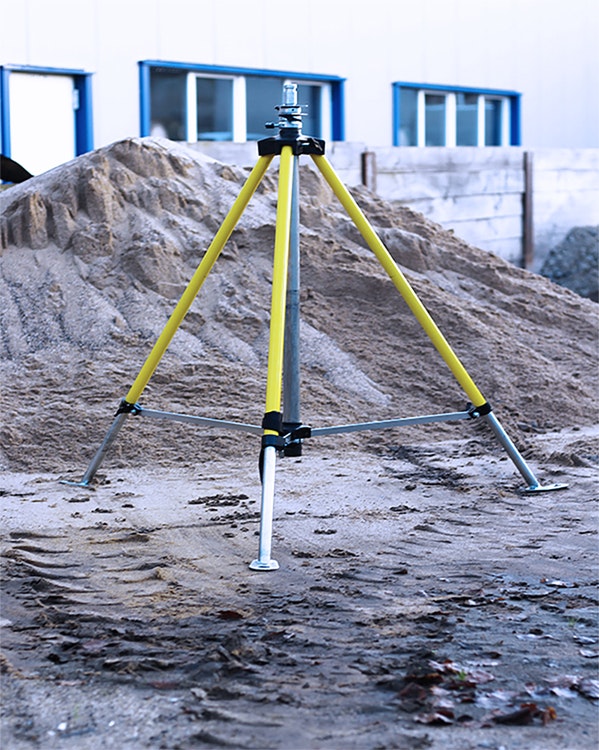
[{"x": 79, "y": 74}]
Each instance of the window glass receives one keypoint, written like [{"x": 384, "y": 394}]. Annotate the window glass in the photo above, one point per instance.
[
  {"x": 198, "y": 103},
  {"x": 408, "y": 115},
  {"x": 309, "y": 97},
  {"x": 459, "y": 117},
  {"x": 214, "y": 101},
  {"x": 168, "y": 103},
  {"x": 492, "y": 122},
  {"x": 467, "y": 119},
  {"x": 434, "y": 120},
  {"x": 263, "y": 94}
]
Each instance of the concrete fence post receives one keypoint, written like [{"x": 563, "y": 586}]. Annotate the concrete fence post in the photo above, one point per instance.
[
  {"x": 528, "y": 240},
  {"x": 368, "y": 169}
]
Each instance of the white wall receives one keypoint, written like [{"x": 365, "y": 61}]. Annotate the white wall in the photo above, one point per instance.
[{"x": 546, "y": 49}]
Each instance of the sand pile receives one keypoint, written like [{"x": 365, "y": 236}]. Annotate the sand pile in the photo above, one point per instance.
[{"x": 96, "y": 252}]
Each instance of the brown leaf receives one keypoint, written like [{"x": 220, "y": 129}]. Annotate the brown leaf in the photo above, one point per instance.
[
  {"x": 526, "y": 715},
  {"x": 413, "y": 692}
]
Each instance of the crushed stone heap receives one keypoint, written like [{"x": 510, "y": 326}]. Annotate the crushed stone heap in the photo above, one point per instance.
[
  {"x": 96, "y": 252},
  {"x": 574, "y": 262}
]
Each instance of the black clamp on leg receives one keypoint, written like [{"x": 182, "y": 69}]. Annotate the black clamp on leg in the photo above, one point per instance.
[
  {"x": 272, "y": 420},
  {"x": 295, "y": 433},
  {"x": 127, "y": 408},
  {"x": 288, "y": 438},
  {"x": 479, "y": 411}
]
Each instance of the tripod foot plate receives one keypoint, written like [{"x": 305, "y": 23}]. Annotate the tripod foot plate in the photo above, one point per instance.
[
  {"x": 74, "y": 484},
  {"x": 546, "y": 488},
  {"x": 268, "y": 565}
]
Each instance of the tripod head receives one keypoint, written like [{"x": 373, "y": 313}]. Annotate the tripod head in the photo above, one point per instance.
[{"x": 290, "y": 128}]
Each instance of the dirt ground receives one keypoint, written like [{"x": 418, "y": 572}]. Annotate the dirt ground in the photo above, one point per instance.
[{"x": 423, "y": 600}]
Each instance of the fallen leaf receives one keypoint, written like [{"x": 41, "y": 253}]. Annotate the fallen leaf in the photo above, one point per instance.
[
  {"x": 495, "y": 698},
  {"x": 526, "y": 714},
  {"x": 561, "y": 584},
  {"x": 466, "y": 674},
  {"x": 442, "y": 716},
  {"x": 413, "y": 692}
]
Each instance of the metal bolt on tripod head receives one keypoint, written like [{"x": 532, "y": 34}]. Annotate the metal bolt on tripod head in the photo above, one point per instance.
[{"x": 290, "y": 112}]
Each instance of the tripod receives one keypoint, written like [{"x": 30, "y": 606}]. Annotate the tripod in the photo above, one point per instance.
[{"x": 283, "y": 431}]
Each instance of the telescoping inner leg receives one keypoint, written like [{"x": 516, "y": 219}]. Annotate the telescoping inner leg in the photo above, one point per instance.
[{"x": 274, "y": 379}]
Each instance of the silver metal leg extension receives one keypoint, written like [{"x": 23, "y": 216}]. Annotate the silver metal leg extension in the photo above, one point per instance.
[
  {"x": 291, "y": 361},
  {"x": 101, "y": 452},
  {"x": 264, "y": 561},
  {"x": 533, "y": 483}
]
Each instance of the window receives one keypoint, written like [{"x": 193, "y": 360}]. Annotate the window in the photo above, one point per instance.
[
  {"x": 168, "y": 104},
  {"x": 206, "y": 103},
  {"x": 442, "y": 116},
  {"x": 211, "y": 119},
  {"x": 45, "y": 115}
]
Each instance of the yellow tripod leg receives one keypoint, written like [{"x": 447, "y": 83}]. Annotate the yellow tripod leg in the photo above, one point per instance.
[
  {"x": 274, "y": 378},
  {"x": 400, "y": 281},
  {"x": 195, "y": 284}
]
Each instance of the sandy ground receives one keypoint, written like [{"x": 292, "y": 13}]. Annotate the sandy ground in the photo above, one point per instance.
[{"x": 422, "y": 601}]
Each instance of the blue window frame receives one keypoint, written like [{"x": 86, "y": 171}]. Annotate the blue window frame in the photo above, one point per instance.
[
  {"x": 190, "y": 102},
  {"x": 433, "y": 115},
  {"x": 84, "y": 136}
]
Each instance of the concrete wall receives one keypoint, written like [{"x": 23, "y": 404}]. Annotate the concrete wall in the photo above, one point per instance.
[
  {"x": 476, "y": 192},
  {"x": 479, "y": 193},
  {"x": 566, "y": 195}
]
